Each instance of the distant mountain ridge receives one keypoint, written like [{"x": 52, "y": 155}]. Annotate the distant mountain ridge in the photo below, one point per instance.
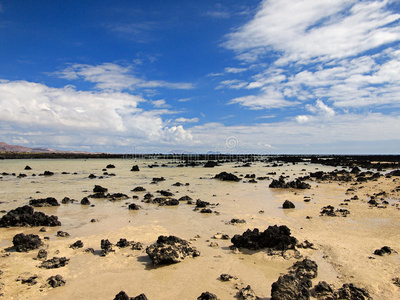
[{"x": 4, "y": 147}]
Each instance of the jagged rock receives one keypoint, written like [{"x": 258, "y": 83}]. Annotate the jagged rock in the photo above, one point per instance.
[
  {"x": 85, "y": 201},
  {"x": 139, "y": 189},
  {"x": 206, "y": 211},
  {"x": 385, "y": 250},
  {"x": 56, "y": 281},
  {"x": 350, "y": 292},
  {"x": 117, "y": 196},
  {"x": 122, "y": 243},
  {"x": 99, "y": 189},
  {"x": 304, "y": 269},
  {"x": 330, "y": 211},
  {"x": 136, "y": 246},
  {"x": 163, "y": 201},
  {"x": 54, "y": 263},
  {"x": 323, "y": 291},
  {"x": 62, "y": 234},
  {"x": 288, "y": 204},
  {"x": 45, "y": 202},
  {"x": 27, "y": 168},
  {"x": 207, "y": 296},
  {"x": 247, "y": 293},
  {"x": 224, "y": 176},
  {"x": 77, "y": 244},
  {"x": 48, "y": 173},
  {"x": 171, "y": 249},
  {"x": 289, "y": 287},
  {"x": 134, "y": 206},
  {"x": 226, "y": 277},
  {"x": 135, "y": 168},
  {"x": 296, "y": 184},
  {"x": 42, "y": 255},
  {"x": 28, "y": 279},
  {"x": 106, "y": 247},
  {"x": 275, "y": 237},
  {"x": 25, "y": 243}
]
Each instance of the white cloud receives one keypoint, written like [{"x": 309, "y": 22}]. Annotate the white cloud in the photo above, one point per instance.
[
  {"x": 187, "y": 120},
  {"x": 110, "y": 76},
  {"x": 35, "y": 112},
  {"x": 232, "y": 84},
  {"x": 234, "y": 70},
  {"x": 340, "y": 28},
  {"x": 160, "y": 103}
]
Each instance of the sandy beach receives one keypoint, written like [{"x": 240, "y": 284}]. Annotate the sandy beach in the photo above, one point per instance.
[{"x": 343, "y": 247}]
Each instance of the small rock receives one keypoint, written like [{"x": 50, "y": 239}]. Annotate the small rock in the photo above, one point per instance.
[
  {"x": 247, "y": 293},
  {"x": 42, "y": 255},
  {"x": 56, "y": 281},
  {"x": 288, "y": 204},
  {"x": 77, "y": 244},
  {"x": 54, "y": 263},
  {"x": 62, "y": 234},
  {"x": 207, "y": 296}
]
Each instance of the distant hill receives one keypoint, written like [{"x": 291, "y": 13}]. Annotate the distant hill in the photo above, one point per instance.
[{"x": 4, "y": 147}]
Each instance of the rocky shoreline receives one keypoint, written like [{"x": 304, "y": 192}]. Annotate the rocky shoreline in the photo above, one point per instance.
[{"x": 322, "y": 234}]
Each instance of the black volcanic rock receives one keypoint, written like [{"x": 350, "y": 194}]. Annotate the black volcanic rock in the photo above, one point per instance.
[
  {"x": 288, "y": 204},
  {"x": 139, "y": 189},
  {"x": 27, "y": 168},
  {"x": 85, "y": 201},
  {"x": 56, "y": 281},
  {"x": 170, "y": 249},
  {"x": 99, "y": 189},
  {"x": 207, "y": 296},
  {"x": 26, "y": 216},
  {"x": 25, "y": 243},
  {"x": 77, "y": 244},
  {"x": 350, "y": 292},
  {"x": 210, "y": 164},
  {"x": 224, "y": 176},
  {"x": 274, "y": 237},
  {"x": 45, "y": 202},
  {"x": 135, "y": 168},
  {"x": 304, "y": 269},
  {"x": 134, "y": 206},
  {"x": 106, "y": 247},
  {"x": 295, "y": 184},
  {"x": 385, "y": 250},
  {"x": 54, "y": 263},
  {"x": 289, "y": 287}
]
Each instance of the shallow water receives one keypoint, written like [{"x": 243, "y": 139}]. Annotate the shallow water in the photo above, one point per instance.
[{"x": 94, "y": 277}]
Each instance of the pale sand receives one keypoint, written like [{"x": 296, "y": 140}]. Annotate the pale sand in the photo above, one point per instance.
[{"x": 344, "y": 244}]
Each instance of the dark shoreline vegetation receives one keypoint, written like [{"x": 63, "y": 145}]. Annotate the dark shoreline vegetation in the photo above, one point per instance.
[{"x": 378, "y": 162}]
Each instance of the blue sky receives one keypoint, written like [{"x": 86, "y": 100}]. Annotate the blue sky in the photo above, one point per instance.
[{"x": 272, "y": 76}]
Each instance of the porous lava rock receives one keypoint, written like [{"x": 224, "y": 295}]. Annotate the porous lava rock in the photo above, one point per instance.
[
  {"x": 170, "y": 249},
  {"x": 26, "y": 216},
  {"x": 274, "y": 237},
  {"x": 25, "y": 243}
]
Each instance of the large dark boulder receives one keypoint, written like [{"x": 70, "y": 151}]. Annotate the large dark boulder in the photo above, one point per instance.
[
  {"x": 45, "y": 202},
  {"x": 170, "y": 249},
  {"x": 224, "y": 176},
  {"x": 289, "y": 287},
  {"x": 274, "y": 237},
  {"x": 26, "y": 216},
  {"x": 25, "y": 243}
]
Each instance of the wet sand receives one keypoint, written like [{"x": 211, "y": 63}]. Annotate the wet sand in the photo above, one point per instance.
[{"x": 344, "y": 245}]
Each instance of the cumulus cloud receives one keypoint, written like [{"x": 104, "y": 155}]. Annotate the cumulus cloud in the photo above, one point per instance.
[
  {"x": 110, "y": 76},
  {"x": 34, "y": 112}
]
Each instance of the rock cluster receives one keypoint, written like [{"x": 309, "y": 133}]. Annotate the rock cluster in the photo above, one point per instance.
[
  {"x": 274, "y": 237},
  {"x": 295, "y": 184},
  {"x": 170, "y": 249},
  {"x": 26, "y": 216},
  {"x": 54, "y": 263},
  {"x": 123, "y": 296}
]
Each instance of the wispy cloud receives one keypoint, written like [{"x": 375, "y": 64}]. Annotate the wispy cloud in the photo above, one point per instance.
[
  {"x": 234, "y": 70},
  {"x": 110, "y": 76},
  {"x": 187, "y": 120},
  {"x": 345, "y": 52}
]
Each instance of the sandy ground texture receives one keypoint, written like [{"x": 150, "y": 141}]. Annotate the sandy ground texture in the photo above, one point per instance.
[{"x": 343, "y": 246}]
